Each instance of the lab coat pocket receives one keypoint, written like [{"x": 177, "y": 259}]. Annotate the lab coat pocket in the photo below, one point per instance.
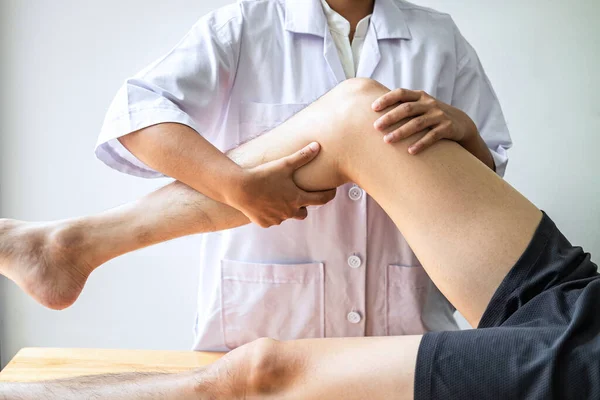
[
  {"x": 280, "y": 301},
  {"x": 406, "y": 292},
  {"x": 256, "y": 118}
]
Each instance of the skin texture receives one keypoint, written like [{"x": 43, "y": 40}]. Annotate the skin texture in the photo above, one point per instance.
[{"x": 467, "y": 226}]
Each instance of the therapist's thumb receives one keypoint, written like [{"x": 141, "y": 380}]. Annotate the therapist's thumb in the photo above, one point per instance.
[{"x": 303, "y": 157}]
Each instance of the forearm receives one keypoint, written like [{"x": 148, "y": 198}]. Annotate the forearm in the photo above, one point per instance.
[
  {"x": 178, "y": 151},
  {"x": 134, "y": 386},
  {"x": 178, "y": 210}
]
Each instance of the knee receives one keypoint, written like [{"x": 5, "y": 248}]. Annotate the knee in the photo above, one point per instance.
[
  {"x": 352, "y": 104},
  {"x": 354, "y": 98},
  {"x": 271, "y": 368},
  {"x": 264, "y": 366},
  {"x": 360, "y": 88}
]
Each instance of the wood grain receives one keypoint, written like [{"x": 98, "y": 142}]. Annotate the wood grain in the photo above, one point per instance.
[{"x": 37, "y": 364}]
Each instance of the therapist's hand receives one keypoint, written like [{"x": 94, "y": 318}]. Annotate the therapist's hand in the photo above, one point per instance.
[
  {"x": 421, "y": 111},
  {"x": 268, "y": 195}
]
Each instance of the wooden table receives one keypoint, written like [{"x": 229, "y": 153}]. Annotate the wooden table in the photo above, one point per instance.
[{"x": 37, "y": 364}]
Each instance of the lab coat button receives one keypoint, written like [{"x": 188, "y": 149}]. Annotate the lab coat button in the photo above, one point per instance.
[
  {"x": 354, "y": 261},
  {"x": 355, "y": 193},
  {"x": 354, "y": 317}
]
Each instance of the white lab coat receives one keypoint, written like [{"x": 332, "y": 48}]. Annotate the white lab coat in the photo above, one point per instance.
[{"x": 346, "y": 270}]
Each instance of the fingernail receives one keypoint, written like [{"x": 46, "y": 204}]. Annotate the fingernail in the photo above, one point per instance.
[
  {"x": 388, "y": 138},
  {"x": 412, "y": 149},
  {"x": 314, "y": 146},
  {"x": 375, "y": 106}
]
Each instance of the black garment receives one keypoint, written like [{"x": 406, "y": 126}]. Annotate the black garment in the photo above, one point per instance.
[{"x": 539, "y": 337}]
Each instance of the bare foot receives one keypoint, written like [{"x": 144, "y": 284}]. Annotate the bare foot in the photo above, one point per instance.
[{"x": 45, "y": 260}]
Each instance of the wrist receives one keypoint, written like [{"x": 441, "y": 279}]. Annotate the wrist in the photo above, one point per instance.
[{"x": 233, "y": 191}]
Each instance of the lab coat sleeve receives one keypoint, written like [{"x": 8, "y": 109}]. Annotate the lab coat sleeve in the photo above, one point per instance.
[
  {"x": 190, "y": 85},
  {"x": 474, "y": 94}
]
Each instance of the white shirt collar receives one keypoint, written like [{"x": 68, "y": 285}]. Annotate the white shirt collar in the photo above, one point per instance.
[
  {"x": 307, "y": 16},
  {"x": 339, "y": 24}
]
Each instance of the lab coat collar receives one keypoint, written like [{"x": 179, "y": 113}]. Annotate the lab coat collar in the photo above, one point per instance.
[
  {"x": 307, "y": 16},
  {"x": 389, "y": 21}
]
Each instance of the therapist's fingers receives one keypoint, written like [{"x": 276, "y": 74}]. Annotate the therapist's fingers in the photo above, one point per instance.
[
  {"x": 429, "y": 139},
  {"x": 303, "y": 156},
  {"x": 317, "y": 198},
  {"x": 397, "y": 114},
  {"x": 415, "y": 125},
  {"x": 395, "y": 96},
  {"x": 301, "y": 214}
]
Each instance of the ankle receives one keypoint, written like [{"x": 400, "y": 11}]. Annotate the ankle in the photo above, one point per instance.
[
  {"x": 68, "y": 235},
  {"x": 72, "y": 237}
]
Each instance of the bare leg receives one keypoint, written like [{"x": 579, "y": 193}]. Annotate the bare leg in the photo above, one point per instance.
[
  {"x": 459, "y": 218},
  {"x": 115, "y": 387},
  {"x": 52, "y": 261},
  {"x": 353, "y": 368},
  {"x": 466, "y": 225}
]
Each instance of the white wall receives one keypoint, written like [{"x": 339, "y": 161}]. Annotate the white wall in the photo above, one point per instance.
[{"x": 62, "y": 61}]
